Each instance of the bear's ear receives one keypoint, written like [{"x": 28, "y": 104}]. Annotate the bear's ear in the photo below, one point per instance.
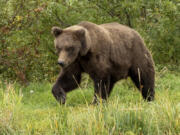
[
  {"x": 80, "y": 33},
  {"x": 82, "y": 36},
  {"x": 56, "y": 31}
]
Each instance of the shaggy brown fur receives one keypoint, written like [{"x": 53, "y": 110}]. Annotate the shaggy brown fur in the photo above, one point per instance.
[{"x": 108, "y": 53}]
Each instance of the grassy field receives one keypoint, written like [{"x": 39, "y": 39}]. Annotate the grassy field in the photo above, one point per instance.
[{"x": 33, "y": 110}]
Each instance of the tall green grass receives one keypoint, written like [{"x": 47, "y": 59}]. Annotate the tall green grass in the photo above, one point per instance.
[{"x": 33, "y": 110}]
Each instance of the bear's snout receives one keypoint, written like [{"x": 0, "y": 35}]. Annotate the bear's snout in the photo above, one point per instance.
[{"x": 61, "y": 63}]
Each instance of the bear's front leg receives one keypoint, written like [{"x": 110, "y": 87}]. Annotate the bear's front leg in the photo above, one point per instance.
[
  {"x": 59, "y": 93},
  {"x": 66, "y": 82},
  {"x": 102, "y": 89}
]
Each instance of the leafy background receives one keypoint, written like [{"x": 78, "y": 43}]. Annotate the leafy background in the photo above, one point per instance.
[{"x": 26, "y": 45}]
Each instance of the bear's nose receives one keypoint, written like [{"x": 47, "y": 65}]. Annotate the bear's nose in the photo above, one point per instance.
[{"x": 61, "y": 63}]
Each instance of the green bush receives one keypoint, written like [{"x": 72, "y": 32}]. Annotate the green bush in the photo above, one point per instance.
[{"x": 26, "y": 45}]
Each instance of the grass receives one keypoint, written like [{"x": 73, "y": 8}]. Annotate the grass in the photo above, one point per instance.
[{"x": 33, "y": 110}]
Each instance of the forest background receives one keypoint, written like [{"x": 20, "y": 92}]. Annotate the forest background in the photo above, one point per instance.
[{"x": 26, "y": 45}]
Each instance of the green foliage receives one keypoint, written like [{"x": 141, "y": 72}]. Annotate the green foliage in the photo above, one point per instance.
[
  {"x": 33, "y": 110},
  {"x": 26, "y": 45}
]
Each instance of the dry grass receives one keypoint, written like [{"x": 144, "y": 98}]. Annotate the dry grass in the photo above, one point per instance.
[{"x": 33, "y": 110}]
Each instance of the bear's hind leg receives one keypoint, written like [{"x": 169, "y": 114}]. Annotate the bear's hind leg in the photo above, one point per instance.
[
  {"x": 148, "y": 92},
  {"x": 144, "y": 81}
]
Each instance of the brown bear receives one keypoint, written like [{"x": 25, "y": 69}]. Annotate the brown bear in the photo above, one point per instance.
[{"x": 107, "y": 52}]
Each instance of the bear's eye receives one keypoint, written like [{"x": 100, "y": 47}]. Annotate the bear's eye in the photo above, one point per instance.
[
  {"x": 70, "y": 49},
  {"x": 58, "y": 50}
]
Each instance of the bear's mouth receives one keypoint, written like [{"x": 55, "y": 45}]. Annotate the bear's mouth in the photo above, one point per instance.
[
  {"x": 69, "y": 65},
  {"x": 65, "y": 66}
]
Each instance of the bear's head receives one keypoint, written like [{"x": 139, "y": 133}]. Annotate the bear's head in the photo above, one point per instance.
[{"x": 70, "y": 43}]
